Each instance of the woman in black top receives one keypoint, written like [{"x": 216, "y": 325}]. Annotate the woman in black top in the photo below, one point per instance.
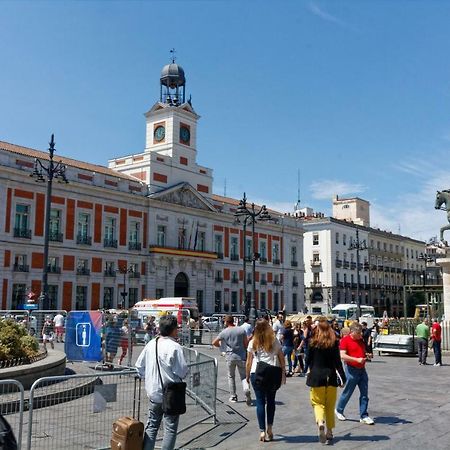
[
  {"x": 324, "y": 376},
  {"x": 287, "y": 342}
]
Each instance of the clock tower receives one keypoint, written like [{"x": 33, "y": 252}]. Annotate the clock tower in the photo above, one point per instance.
[{"x": 170, "y": 155}]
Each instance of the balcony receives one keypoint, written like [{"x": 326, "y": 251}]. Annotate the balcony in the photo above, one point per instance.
[
  {"x": 249, "y": 281},
  {"x": 234, "y": 280},
  {"x": 234, "y": 257},
  {"x": 134, "y": 274},
  {"x": 83, "y": 271},
  {"x": 276, "y": 282},
  {"x": 21, "y": 268},
  {"x": 353, "y": 285},
  {"x": 353, "y": 265},
  {"x": 53, "y": 269},
  {"x": 248, "y": 259},
  {"x": 218, "y": 279},
  {"x": 316, "y": 263},
  {"x": 315, "y": 284},
  {"x": 380, "y": 267},
  {"x": 294, "y": 263},
  {"x": 84, "y": 239},
  {"x": 22, "y": 233},
  {"x": 373, "y": 267},
  {"x": 219, "y": 255},
  {"x": 110, "y": 243},
  {"x": 263, "y": 260},
  {"x": 276, "y": 262},
  {"x": 366, "y": 267},
  {"x": 338, "y": 262},
  {"x": 109, "y": 273},
  {"x": 346, "y": 264},
  {"x": 263, "y": 282},
  {"x": 134, "y": 245},
  {"x": 294, "y": 283},
  {"x": 340, "y": 284},
  {"x": 177, "y": 251},
  {"x": 55, "y": 236}
]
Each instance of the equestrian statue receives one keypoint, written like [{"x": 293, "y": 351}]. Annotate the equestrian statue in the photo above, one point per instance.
[{"x": 443, "y": 198}]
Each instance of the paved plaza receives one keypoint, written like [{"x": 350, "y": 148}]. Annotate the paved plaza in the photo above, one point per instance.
[{"x": 409, "y": 403}]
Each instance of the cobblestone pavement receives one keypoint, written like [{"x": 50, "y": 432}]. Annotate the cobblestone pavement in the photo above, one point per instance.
[{"x": 409, "y": 403}]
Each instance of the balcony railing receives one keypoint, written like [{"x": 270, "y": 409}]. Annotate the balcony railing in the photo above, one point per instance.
[
  {"x": 294, "y": 283},
  {"x": 55, "y": 236},
  {"x": 248, "y": 259},
  {"x": 234, "y": 257},
  {"x": 276, "y": 282},
  {"x": 21, "y": 268},
  {"x": 218, "y": 279},
  {"x": 346, "y": 264},
  {"x": 263, "y": 260},
  {"x": 366, "y": 267},
  {"x": 234, "y": 280},
  {"x": 338, "y": 262},
  {"x": 84, "y": 239},
  {"x": 263, "y": 282},
  {"x": 353, "y": 265},
  {"x": 316, "y": 263},
  {"x": 22, "y": 233},
  {"x": 83, "y": 271},
  {"x": 340, "y": 284},
  {"x": 134, "y": 246},
  {"x": 380, "y": 267},
  {"x": 53, "y": 269},
  {"x": 316, "y": 284},
  {"x": 110, "y": 243},
  {"x": 276, "y": 262},
  {"x": 109, "y": 273},
  {"x": 219, "y": 255},
  {"x": 294, "y": 263},
  {"x": 135, "y": 274}
]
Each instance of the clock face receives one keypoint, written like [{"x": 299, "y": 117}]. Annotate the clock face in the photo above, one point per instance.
[
  {"x": 159, "y": 133},
  {"x": 185, "y": 135}
]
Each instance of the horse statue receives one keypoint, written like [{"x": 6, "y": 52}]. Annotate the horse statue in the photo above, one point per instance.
[{"x": 443, "y": 198}]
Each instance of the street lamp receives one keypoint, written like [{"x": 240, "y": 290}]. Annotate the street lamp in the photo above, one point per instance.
[
  {"x": 426, "y": 259},
  {"x": 252, "y": 215},
  {"x": 357, "y": 245},
  {"x": 127, "y": 270},
  {"x": 42, "y": 173}
]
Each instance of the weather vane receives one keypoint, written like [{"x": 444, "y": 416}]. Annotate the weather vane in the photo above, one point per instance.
[{"x": 172, "y": 51}]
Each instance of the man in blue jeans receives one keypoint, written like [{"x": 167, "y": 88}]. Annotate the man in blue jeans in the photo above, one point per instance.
[{"x": 353, "y": 353}]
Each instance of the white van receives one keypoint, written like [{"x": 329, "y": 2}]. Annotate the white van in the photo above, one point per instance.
[{"x": 347, "y": 311}]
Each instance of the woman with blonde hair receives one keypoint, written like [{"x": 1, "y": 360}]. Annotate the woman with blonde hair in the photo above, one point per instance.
[
  {"x": 265, "y": 348},
  {"x": 325, "y": 375}
]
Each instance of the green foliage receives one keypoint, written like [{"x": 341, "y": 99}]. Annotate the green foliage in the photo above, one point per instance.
[{"x": 15, "y": 341}]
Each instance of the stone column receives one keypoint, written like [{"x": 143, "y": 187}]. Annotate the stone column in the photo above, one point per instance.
[{"x": 445, "y": 264}]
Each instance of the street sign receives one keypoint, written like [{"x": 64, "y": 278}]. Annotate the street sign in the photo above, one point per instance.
[
  {"x": 29, "y": 306},
  {"x": 83, "y": 336}
]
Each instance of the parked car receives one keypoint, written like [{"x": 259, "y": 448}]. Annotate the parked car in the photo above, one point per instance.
[{"x": 211, "y": 323}]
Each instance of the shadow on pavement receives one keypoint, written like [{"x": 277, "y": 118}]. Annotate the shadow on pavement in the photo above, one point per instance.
[
  {"x": 302, "y": 439},
  {"x": 391, "y": 420},
  {"x": 361, "y": 438}
]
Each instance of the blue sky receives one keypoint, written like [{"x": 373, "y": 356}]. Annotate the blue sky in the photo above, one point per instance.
[{"x": 355, "y": 94}]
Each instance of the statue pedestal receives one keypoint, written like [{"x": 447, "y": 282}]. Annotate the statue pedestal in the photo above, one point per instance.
[{"x": 445, "y": 264}]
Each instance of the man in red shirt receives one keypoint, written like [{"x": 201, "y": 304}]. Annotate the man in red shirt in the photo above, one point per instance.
[
  {"x": 353, "y": 353},
  {"x": 436, "y": 338}
]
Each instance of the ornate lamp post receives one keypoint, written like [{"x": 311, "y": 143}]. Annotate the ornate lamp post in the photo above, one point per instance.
[
  {"x": 47, "y": 172},
  {"x": 126, "y": 304},
  {"x": 357, "y": 245},
  {"x": 252, "y": 215}
]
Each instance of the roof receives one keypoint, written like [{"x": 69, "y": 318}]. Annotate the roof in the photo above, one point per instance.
[
  {"x": 233, "y": 202},
  {"x": 30, "y": 152}
]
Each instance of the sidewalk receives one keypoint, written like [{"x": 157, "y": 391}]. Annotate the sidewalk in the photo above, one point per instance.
[{"x": 409, "y": 403}]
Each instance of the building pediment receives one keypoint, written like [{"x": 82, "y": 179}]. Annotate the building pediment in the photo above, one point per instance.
[
  {"x": 183, "y": 194},
  {"x": 158, "y": 106}
]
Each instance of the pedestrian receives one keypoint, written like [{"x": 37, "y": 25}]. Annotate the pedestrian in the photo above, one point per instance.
[
  {"x": 58, "y": 321},
  {"x": 436, "y": 332},
  {"x": 112, "y": 340},
  {"x": 264, "y": 347},
  {"x": 278, "y": 325},
  {"x": 423, "y": 335},
  {"x": 124, "y": 332},
  {"x": 173, "y": 369},
  {"x": 298, "y": 360},
  {"x": 234, "y": 341},
  {"x": 307, "y": 334},
  {"x": 353, "y": 353},
  {"x": 150, "y": 330},
  {"x": 287, "y": 344},
  {"x": 367, "y": 338},
  {"x": 247, "y": 327},
  {"x": 325, "y": 375},
  {"x": 48, "y": 333}
]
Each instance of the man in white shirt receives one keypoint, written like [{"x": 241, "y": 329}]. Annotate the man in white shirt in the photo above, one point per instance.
[
  {"x": 278, "y": 326},
  {"x": 58, "y": 320},
  {"x": 173, "y": 369},
  {"x": 246, "y": 326}
]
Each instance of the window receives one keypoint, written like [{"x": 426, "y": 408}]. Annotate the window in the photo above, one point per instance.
[
  {"x": 110, "y": 232},
  {"x": 316, "y": 278},
  {"x": 20, "y": 263},
  {"x": 249, "y": 278},
  {"x": 226, "y": 301},
  {"x": 316, "y": 239},
  {"x": 217, "y": 301},
  {"x": 294, "y": 302},
  {"x": 201, "y": 242},
  {"x": 81, "y": 298},
  {"x": 52, "y": 296},
  {"x": 248, "y": 248},
  {"x": 22, "y": 217},
  {"x": 391, "y": 247},
  {"x": 83, "y": 224},
  {"x": 337, "y": 277},
  {"x": 384, "y": 246},
  {"x": 316, "y": 257},
  {"x": 110, "y": 269},
  {"x": 218, "y": 244},
  {"x": 294, "y": 256},
  {"x": 234, "y": 301},
  {"x": 378, "y": 245},
  {"x": 337, "y": 238},
  {"x": 161, "y": 236},
  {"x": 134, "y": 235},
  {"x": 55, "y": 225},
  {"x": 276, "y": 301},
  {"x": 132, "y": 296},
  {"x": 159, "y": 293},
  {"x": 108, "y": 298},
  {"x": 262, "y": 300},
  {"x": 263, "y": 251},
  {"x": 234, "y": 254},
  {"x": 344, "y": 239},
  {"x": 234, "y": 277},
  {"x": 199, "y": 297},
  {"x": 371, "y": 244},
  {"x": 263, "y": 279},
  {"x": 83, "y": 267},
  {"x": 219, "y": 276},
  {"x": 182, "y": 238},
  {"x": 53, "y": 265},
  {"x": 276, "y": 253},
  {"x": 18, "y": 296}
]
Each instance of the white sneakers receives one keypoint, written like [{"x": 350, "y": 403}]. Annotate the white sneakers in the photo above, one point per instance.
[
  {"x": 339, "y": 415},
  {"x": 437, "y": 364},
  {"x": 233, "y": 399},
  {"x": 367, "y": 420}
]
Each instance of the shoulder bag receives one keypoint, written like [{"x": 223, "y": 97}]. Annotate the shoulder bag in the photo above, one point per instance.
[
  {"x": 174, "y": 393},
  {"x": 267, "y": 376}
]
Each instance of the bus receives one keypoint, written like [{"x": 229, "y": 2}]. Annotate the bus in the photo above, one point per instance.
[{"x": 347, "y": 311}]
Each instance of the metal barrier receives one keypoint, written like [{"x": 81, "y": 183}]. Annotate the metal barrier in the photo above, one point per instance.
[
  {"x": 11, "y": 405},
  {"x": 77, "y": 411},
  {"x": 445, "y": 335}
]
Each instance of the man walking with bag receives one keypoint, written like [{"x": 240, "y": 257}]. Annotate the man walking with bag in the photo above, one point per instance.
[
  {"x": 235, "y": 340},
  {"x": 172, "y": 369}
]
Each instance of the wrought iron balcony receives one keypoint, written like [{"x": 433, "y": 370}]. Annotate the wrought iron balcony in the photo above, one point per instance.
[
  {"x": 134, "y": 274},
  {"x": 263, "y": 282},
  {"x": 55, "y": 236},
  {"x": 110, "y": 243},
  {"x": 316, "y": 263},
  {"x": 294, "y": 263},
  {"x": 53, "y": 269},
  {"x": 263, "y": 260},
  {"x": 276, "y": 282},
  {"x": 219, "y": 255},
  {"x": 21, "y": 268},
  {"x": 249, "y": 281},
  {"x": 84, "y": 239},
  {"x": 134, "y": 245},
  {"x": 218, "y": 279},
  {"x": 83, "y": 271},
  {"x": 22, "y": 233},
  {"x": 315, "y": 284},
  {"x": 235, "y": 280},
  {"x": 340, "y": 284},
  {"x": 353, "y": 265},
  {"x": 346, "y": 264},
  {"x": 338, "y": 262},
  {"x": 294, "y": 283},
  {"x": 234, "y": 257},
  {"x": 248, "y": 259},
  {"x": 109, "y": 273},
  {"x": 276, "y": 262}
]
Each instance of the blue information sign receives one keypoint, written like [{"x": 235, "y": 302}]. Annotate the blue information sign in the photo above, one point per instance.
[
  {"x": 29, "y": 306},
  {"x": 83, "y": 336}
]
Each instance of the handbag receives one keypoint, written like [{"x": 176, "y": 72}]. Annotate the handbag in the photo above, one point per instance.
[
  {"x": 267, "y": 376},
  {"x": 174, "y": 393}
]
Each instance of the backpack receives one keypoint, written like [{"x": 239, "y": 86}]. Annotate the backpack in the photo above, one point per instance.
[{"x": 7, "y": 438}]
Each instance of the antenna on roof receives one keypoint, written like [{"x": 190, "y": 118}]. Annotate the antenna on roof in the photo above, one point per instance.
[
  {"x": 297, "y": 205},
  {"x": 172, "y": 52}
]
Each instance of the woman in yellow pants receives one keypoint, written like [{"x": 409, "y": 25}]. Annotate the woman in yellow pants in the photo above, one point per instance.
[{"x": 325, "y": 375}]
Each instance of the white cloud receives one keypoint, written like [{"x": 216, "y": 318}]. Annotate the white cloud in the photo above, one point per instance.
[
  {"x": 325, "y": 189},
  {"x": 324, "y": 15}
]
